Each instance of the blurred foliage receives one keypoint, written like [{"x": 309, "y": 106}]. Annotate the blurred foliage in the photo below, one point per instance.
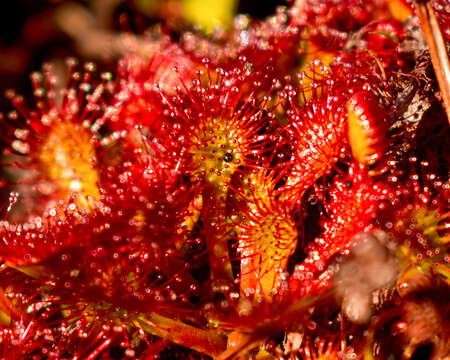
[{"x": 209, "y": 14}]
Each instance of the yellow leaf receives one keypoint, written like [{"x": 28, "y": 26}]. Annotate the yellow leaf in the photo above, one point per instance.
[{"x": 209, "y": 14}]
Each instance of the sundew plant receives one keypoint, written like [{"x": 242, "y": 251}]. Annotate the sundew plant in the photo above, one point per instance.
[{"x": 233, "y": 188}]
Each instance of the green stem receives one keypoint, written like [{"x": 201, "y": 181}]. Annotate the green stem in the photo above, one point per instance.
[{"x": 214, "y": 217}]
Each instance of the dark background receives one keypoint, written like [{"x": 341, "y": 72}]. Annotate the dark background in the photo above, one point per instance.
[{"x": 29, "y": 35}]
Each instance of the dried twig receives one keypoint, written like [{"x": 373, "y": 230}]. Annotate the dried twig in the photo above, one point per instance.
[{"x": 438, "y": 49}]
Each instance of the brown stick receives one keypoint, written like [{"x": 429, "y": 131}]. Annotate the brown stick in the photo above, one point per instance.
[{"x": 438, "y": 49}]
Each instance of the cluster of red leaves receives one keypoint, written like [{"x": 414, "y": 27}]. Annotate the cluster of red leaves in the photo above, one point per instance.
[{"x": 210, "y": 200}]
